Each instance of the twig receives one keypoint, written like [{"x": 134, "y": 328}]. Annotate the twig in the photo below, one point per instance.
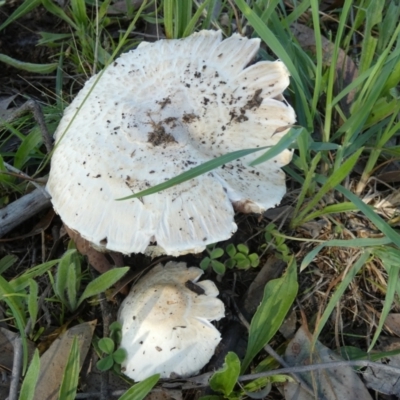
[
  {"x": 22, "y": 209},
  {"x": 16, "y": 369},
  {"x": 316, "y": 367}
]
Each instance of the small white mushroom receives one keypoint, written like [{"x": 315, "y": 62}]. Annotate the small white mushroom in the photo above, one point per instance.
[
  {"x": 156, "y": 112},
  {"x": 166, "y": 325}
]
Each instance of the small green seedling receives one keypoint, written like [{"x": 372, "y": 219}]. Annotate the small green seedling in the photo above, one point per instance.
[
  {"x": 113, "y": 358},
  {"x": 69, "y": 280},
  {"x": 213, "y": 254},
  {"x": 240, "y": 257}
]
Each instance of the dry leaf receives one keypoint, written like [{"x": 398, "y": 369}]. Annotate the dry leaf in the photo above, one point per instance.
[
  {"x": 384, "y": 381},
  {"x": 329, "y": 384},
  {"x": 54, "y": 360}
]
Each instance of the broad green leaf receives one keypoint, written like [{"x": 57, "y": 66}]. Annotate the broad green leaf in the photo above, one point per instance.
[
  {"x": 69, "y": 384},
  {"x": 119, "y": 355},
  {"x": 33, "y": 301},
  {"x": 28, "y": 385},
  {"x": 224, "y": 380},
  {"x": 231, "y": 250},
  {"x": 279, "y": 295},
  {"x": 218, "y": 267},
  {"x": 105, "y": 363},
  {"x": 243, "y": 248},
  {"x": 141, "y": 389},
  {"x": 106, "y": 345},
  {"x": 103, "y": 282},
  {"x": 217, "y": 253},
  {"x": 27, "y": 147},
  {"x": 6, "y": 262},
  {"x": 30, "y": 67}
]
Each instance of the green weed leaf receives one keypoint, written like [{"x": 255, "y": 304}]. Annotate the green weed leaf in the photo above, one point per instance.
[
  {"x": 279, "y": 295},
  {"x": 141, "y": 389},
  {"x": 225, "y": 379},
  {"x": 30, "y": 67},
  {"x": 28, "y": 385},
  {"x": 69, "y": 384},
  {"x": 103, "y": 282},
  {"x": 106, "y": 345}
]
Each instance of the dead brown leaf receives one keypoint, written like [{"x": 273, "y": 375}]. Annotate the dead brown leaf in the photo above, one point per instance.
[
  {"x": 54, "y": 360},
  {"x": 384, "y": 381},
  {"x": 329, "y": 384}
]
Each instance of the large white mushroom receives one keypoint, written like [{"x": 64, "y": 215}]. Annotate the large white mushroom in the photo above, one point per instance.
[
  {"x": 166, "y": 325},
  {"x": 156, "y": 112}
]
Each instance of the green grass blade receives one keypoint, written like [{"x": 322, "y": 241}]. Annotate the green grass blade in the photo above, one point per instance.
[
  {"x": 195, "y": 172},
  {"x": 283, "y": 144},
  {"x": 71, "y": 287},
  {"x": 30, "y": 67},
  {"x": 28, "y": 385},
  {"x": 24, "y": 8},
  {"x": 273, "y": 43},
  {"x": 103, "y": 282},
  {"x": 381, "y": 224},
  {"x": 208, "y": 166},
  {"x": 22, "y": 281},
  {"x": 33, "y": 302},
  {"x": 69, "y": 384},
  {"x": 6, "y": 262},
  {"x": 6, "y": 294},
  {"x": 390, "y": 258},
  {"x": 340, "y": 289},
  {"x": 169, "y": 18},
  {"x": 141, "y": 389},
  {"x": 330, "y": 183},
  {"x": 356, "y": 243},
  {"x": 279, "y": 295},
  {"x": 190, "y": 27},
  {"x": 29, "y": 144}
]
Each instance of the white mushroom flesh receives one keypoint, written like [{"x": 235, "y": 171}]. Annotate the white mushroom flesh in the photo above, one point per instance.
[
  {"x": 156, "y": 112},
  {"x": 166, "y": 326}
]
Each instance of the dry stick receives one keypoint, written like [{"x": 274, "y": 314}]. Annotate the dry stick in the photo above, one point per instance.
[
  {"x": 16, "y": 369},
  {"x": 22, "y": 209},
  {"x": 316, "y": 367}
]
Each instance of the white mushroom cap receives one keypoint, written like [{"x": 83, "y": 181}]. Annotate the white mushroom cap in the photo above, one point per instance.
[
  {"x": 154, "y": 113},
  {"x": 166, "y": 326}
]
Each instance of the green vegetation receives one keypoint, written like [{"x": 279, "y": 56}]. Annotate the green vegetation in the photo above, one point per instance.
[{"x": 345, "y": 75}]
